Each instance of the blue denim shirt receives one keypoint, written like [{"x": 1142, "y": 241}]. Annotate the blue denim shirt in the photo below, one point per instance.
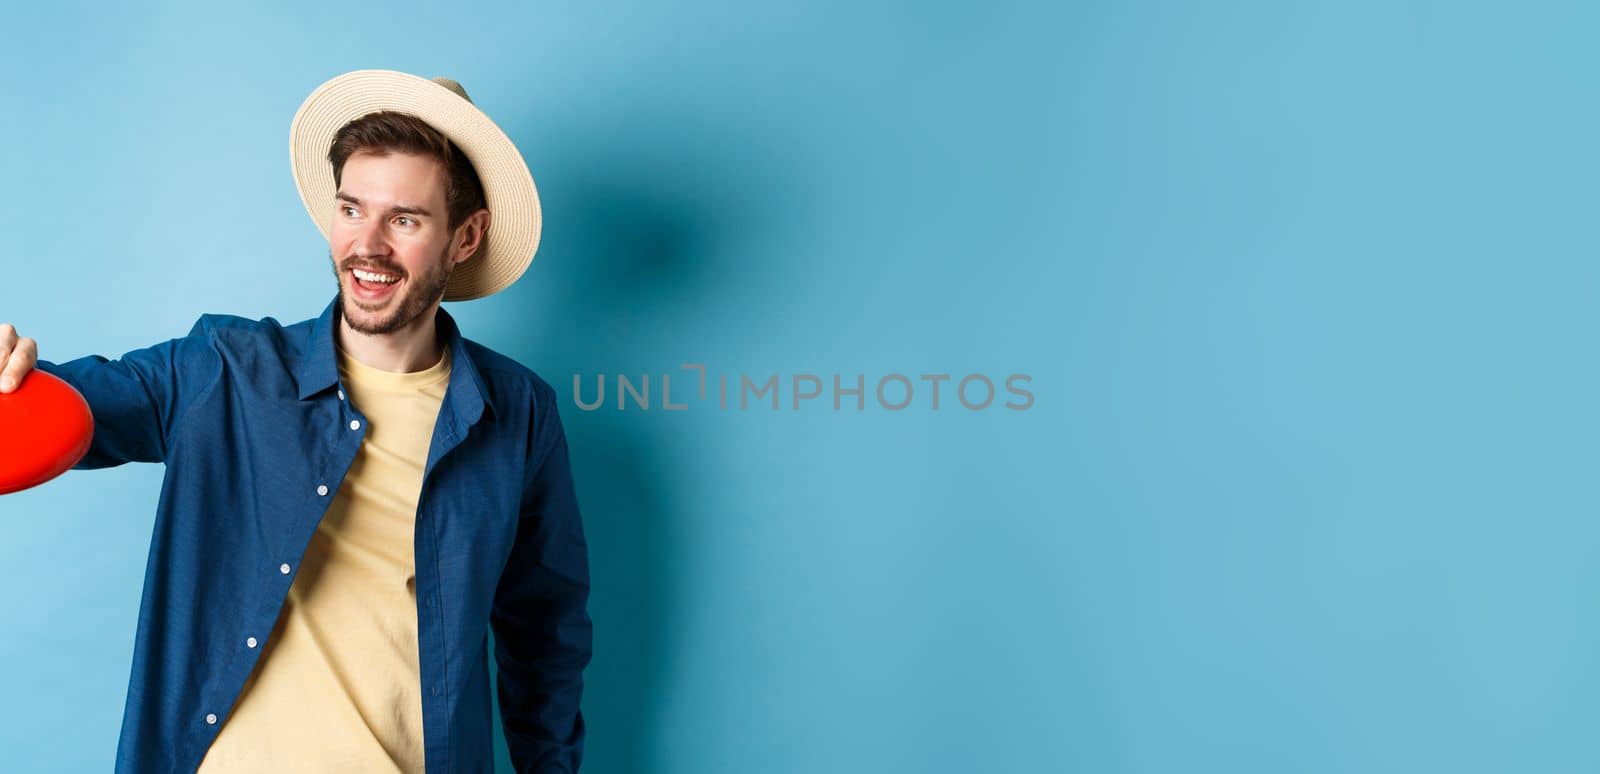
[{"x": 250, "y": 418}]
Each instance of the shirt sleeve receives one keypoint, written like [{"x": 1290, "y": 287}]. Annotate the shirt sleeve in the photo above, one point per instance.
[
  {"x": 540, "y": 616},
  {"x": 137, "y": 399}
]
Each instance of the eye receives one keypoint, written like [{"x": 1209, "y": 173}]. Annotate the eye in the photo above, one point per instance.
[
  {"x": 408, "y": 221},
  {"x": 347, "y": 210}
]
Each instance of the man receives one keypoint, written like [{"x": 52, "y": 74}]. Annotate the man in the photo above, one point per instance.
[{"x": 352, "y": 501}]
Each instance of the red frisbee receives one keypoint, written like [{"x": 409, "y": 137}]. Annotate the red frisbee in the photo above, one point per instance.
[{"x": 45, "y": 429}]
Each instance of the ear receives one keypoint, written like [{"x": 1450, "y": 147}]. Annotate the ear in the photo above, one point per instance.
[{"x": 469, "y": 236}]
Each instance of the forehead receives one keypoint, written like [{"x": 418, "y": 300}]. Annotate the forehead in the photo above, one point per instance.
[{"x": 393, "y": 178}]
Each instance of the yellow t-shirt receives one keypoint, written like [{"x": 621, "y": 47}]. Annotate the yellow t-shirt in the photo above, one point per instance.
[{"x": 337, "y": 687}]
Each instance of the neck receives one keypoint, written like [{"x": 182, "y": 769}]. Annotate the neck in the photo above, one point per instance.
[{"x": 415, "y": 347}]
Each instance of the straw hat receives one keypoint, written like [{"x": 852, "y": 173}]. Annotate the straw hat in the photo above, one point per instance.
[{"x": 508, "y": 189}]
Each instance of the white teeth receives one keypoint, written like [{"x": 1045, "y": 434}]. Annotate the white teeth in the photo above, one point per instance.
[{"x": 370, "y": 277}]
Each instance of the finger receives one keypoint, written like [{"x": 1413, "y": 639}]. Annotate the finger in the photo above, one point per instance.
[
  {"x": 8, "y": 342},
  {"x": 21, "y": 361}
]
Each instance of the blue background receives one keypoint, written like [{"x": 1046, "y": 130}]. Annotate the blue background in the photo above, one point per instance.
[{"x": 1306, "y": 291}]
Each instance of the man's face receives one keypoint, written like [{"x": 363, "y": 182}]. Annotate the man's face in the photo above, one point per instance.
[{"x": 389, "y": 218}]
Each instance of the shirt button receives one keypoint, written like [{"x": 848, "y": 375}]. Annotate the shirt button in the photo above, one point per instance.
[
  {"x": 211, "y": 719},
  {"x": 355, "y": 424},
  {"x": 341, "y": 395},
  {"x": 284, "y": 568},
  {"x": 322, "y": 489},
  {"x": 250, "y": 642},
  {"x": 436, "y": 689}
]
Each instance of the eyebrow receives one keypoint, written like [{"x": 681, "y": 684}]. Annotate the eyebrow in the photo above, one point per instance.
[{"x": 402, "y": 208}]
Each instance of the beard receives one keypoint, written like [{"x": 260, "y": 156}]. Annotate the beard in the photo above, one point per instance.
[{"x": 419, "y": 294}]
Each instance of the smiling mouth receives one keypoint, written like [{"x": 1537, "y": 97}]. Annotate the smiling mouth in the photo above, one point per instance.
[{"x": 371, "y": 288}]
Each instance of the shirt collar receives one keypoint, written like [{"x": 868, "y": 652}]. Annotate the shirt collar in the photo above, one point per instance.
[{"x": 318, "y": 370}]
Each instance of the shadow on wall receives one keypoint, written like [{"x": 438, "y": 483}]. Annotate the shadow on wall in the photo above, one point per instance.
[{"x": 621, "y": 234}]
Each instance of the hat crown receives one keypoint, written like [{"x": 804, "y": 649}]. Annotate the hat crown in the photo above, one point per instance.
[{"x": 453, "y": 86}]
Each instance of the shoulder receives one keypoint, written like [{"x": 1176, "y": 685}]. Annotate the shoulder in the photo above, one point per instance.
[
  {"x": 261, "y": 351},
  {"x": 509, "y": 379},
  {"x": 236, "y": 333},
  {"x": 232, "y": 326},
  {"x": 523, "y": 399}
]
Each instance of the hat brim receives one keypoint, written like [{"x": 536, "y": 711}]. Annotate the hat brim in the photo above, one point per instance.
[{"x": 508, "y": 188}]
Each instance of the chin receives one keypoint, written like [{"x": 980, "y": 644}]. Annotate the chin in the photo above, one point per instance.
[{"x": 369, "y": 319}]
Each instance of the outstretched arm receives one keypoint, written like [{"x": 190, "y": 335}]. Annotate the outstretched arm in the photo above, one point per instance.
[{"x": 138, "y": 398}]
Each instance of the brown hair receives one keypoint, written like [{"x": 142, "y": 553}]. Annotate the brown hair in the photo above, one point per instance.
[{"x": 387, "y": 131}]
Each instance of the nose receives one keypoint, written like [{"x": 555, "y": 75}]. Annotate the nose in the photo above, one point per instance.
[{"x": 370, "y": 239}]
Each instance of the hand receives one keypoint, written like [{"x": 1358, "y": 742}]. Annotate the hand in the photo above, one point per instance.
[{"x": 17, "y": 356}]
